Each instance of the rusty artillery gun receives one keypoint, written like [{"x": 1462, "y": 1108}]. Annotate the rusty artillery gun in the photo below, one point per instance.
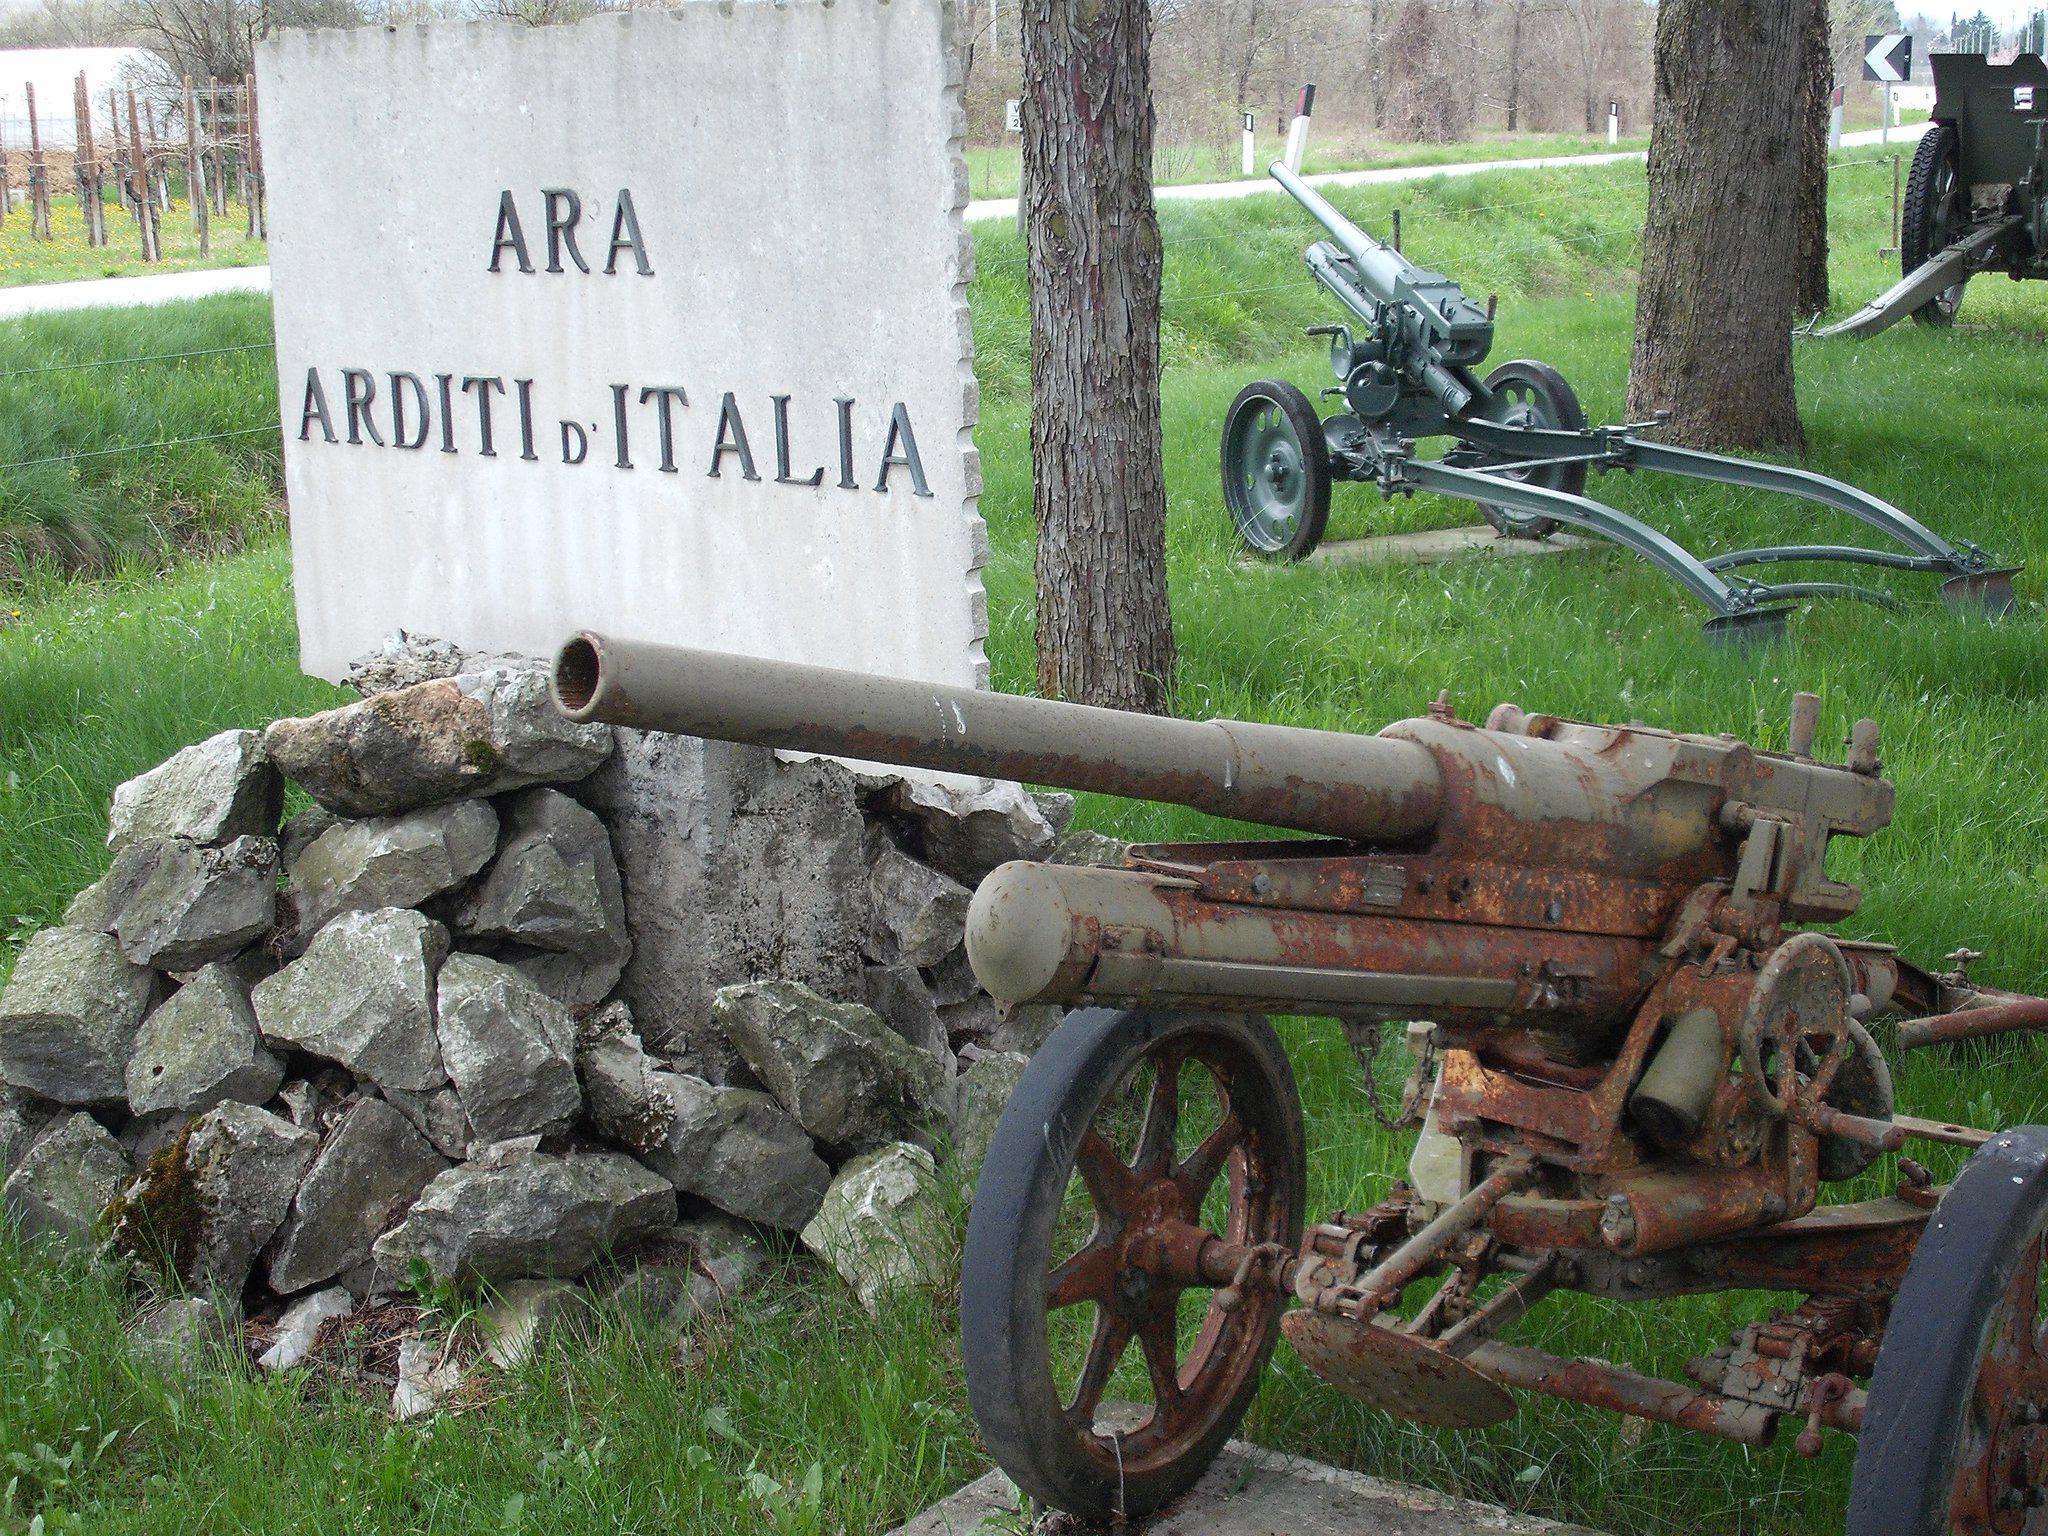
[{"x": 1638, "y": 1067}]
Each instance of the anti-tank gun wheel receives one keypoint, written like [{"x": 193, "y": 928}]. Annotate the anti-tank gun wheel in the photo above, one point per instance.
[
  {"x": 1934, "y": 216},
  {"x": 1276, "y": 470},
  {"x": 1955, "y": 1431},
  {"x": 1527, "y": 393},
  {"x": 1130, "y": 1136}
]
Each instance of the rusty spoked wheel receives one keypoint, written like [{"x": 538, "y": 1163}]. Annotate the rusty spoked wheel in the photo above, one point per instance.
[
  {"x": 1955, "y": 1434},
  {"x": 1105, "y": 1364}
]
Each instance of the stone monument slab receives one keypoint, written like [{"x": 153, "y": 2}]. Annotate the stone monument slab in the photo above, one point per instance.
[{"x": 655, "y": 323}]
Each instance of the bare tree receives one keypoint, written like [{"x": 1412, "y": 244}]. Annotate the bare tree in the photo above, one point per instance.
[
  {"x": 217, "y": 38},
  {"x": 1713, "y": 343},
  {"x": 1105, "y": 632}
]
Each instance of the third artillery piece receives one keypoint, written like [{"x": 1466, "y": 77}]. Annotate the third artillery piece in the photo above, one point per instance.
[
  {"x": 1407, "y": 362},
  {"x": 1639, "y": 1067}
]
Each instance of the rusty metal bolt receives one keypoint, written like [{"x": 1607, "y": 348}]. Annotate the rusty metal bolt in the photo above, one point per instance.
[{"x": 1618, "y": 1223}]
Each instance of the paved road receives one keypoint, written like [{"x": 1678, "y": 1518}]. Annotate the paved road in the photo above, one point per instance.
[{"x": 43, "y": 298}]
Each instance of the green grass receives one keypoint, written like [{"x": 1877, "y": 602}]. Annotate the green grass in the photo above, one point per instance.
[
  {"x": 99, "y": 680},
  {"x": 83, "y": 393},
  {"x": 66, "y": 257},
  {"x": 994, "y": 170}
]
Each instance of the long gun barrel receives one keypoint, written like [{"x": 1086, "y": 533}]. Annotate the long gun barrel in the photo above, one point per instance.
[
  {"x": 1364, "y": 272},
  {"x": 1365, "y": 788},
  {"x": 1510, "y": 871}
]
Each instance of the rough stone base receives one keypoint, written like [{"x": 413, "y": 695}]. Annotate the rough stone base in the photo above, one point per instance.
[
  {"x": 1438, "y": 544},
  {"x": 1255, "y": 1492}
]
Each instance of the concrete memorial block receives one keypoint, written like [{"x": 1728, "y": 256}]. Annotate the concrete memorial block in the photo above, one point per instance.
[{"x": 687, "y": 318}]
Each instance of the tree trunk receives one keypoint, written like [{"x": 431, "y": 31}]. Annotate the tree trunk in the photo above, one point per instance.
[
  {"x": 1515, "y": 70},
  {"x": 1811, "y": 296},
  {"x": 1105, "y": 633},
  {"x": 1714, "y": 310}
]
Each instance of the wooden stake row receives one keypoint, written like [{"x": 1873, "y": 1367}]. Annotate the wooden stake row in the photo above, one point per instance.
[{"x": 220, "y": 148}]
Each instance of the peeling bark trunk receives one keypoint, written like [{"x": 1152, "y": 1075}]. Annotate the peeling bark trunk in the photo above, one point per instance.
[
  {"x": 1105, "y": 632},
  {"x": 1714, "y": 311}
]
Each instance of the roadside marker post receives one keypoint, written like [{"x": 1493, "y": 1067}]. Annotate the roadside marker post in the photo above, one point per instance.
[
  {"x": 1251, "y": 143},
  {"x": 1297, "y": 131}
]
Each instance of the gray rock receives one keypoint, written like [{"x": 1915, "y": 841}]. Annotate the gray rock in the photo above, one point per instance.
[
  {"x": 554, "y": 887},
  {"x": 177, "y": 905},
  {"x": 402, "y": 659},
  {"x": 317, "y": 1102},
  {"x": 528, "y": 1213},
  {"x": 1057, "y": 807},
  {"x": 437, "y": 1115},
  {"x": 298, "y": 834},
  {"x": 691, "y": 1268},
  {"x": 1024, "y": 1029},
  {"x": 952, "y": 981},
  {"x": 882, "y": 1224},
  {"x": 849, "y": 1079},
  {"x": 916, "y": 915},
  {"x": 968, "y": 829},
  {"x": 23, "y": 1118},
  {"x": 388, "y": 861},
  {"x": 201, "y": 1048},
  {"x": 1078, "y": 845},
  {"x": 509, "y": 1048},
  {"x": 737, "y": 867},
  {"x": 179, "y": 1334},
  {"x": 69, "y": 1015},
  {"x": 429, "y": 1373},
  {"x": 622, "y": 1088},
  {"x": 65, "y": 1179},
  {"x": 739, "y": 1150},
  {"x": 898, "y": 994},
  {"x": 363, "y": 995},
  {"x": 146, "y": 1135},
  {"x": 300, "y": 1324},
  {"x": 523, "y": 1312},
  {"x": 206, "y": 1204},
  {"x": 361, "y": 1183},
  {"x": 219, "y": 789},
  {"x": 979, "y": 1095},
  {"x": 480, "y": 733}
]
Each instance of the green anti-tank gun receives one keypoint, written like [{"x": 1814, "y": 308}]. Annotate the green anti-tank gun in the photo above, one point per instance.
[
  {"x": 1639, "y": 1066},
  {"x": 1407, "y": 358}
]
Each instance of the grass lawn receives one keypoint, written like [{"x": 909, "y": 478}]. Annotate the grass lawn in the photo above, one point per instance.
[
  {"x": 99, "y": 680},
  {"x": 66, "y": 257},
  {"x": 993, "y": 170}
]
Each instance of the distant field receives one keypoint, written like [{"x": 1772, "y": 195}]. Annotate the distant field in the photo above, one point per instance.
[{"x": 99, "y": 679}]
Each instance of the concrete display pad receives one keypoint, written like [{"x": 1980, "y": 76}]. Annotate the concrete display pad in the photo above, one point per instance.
[
  {"x": 1255, "y": 1492},
  {"x": 1439, "y": 544},
  {"x": 655, "y": 323}
]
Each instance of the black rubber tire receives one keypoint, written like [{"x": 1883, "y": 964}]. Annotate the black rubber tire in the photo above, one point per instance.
[
  {"x": 1010, "y": 1384},
  {"x": 1306, "y": 428},
  {"x": 1559, "y": 406},
  {"x": 1922, "y": 229},
  {"x": 1908, "y": 1451}
]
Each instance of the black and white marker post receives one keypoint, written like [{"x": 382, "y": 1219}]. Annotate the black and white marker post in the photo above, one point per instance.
[
  {"x": 1297, "y": 131},
  {"x": 1251, "y": 142}
]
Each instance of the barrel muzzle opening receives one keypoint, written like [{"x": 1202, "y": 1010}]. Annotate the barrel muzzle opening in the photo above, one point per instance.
[{"x": 579, "y": 668}]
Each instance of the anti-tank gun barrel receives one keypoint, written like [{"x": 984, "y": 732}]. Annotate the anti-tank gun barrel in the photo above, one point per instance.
[
  {"x": 1362, "y": 788},
  {"x": 1420, "y": 322},
  {"x": 1527, "y": 872}
]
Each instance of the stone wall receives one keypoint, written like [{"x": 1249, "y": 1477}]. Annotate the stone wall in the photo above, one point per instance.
[{"x": 508, "y": 997}]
